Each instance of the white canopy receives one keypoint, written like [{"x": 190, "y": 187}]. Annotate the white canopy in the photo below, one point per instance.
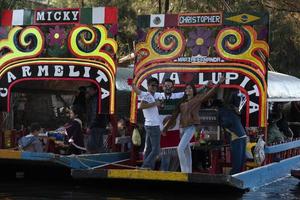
[{"x": 283, "y": 87}]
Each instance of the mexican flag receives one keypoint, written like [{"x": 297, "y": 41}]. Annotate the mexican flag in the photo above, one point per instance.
[
  {"x": 17, "y": 17},
  {"x": 99, "y": 15}
]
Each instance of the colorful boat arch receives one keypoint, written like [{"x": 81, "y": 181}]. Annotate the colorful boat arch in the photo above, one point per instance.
[
  {"x": 204, "y": 51},
  {"x": 44, "y": 50}
]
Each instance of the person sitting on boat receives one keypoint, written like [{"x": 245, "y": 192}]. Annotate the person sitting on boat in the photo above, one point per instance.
[
  {"x": 274, "y": 133},
  {"x": 31, "y": 142},
  {"x": 282, "y": 122},
  {"x": 152, "y": 122},
  {"x": 74, "y": 131},
  {"x": 230, "y": 121},
  {"x": 123, "y": 138},
  {"x": 188, "y": 108},
  {"x": 294, "y": 118}
]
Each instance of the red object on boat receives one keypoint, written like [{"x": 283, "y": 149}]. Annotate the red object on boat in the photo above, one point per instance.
[{"x": 295, "y": 173}]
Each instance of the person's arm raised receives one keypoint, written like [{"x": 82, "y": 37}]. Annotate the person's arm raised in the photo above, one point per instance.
[
  {"x": 211, "y": 92},
  {"x": 145, "y": 104},
  {"x": 136, "y": 89}
]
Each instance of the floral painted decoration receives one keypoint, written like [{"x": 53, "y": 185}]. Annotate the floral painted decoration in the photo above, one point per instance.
[
  {"x": 141, "y": 35},
  {"x": 56, "y": 36},
  {"x": 3, "y": 32},
  {"x": 200, "y": 40},
  {"x": 113, "y": 30}
]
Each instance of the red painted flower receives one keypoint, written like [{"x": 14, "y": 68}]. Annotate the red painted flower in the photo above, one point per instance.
[{"x": 56, "y": 36}]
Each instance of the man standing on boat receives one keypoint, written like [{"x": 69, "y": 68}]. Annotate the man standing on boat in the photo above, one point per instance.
[
  {"x": 96, "y": 123},
  {"x": 152, "y": 121},
  {"x": 169, "y": 157},
  {"x": 230, "y": 121}
]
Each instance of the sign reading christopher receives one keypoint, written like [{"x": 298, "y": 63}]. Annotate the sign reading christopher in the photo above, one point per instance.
[
  {"x": 201, "y": 19},
  {"x": 55, "y": 16}
]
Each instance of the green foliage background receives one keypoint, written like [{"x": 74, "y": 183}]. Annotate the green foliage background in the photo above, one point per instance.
[{"x": 284, "y": 20}]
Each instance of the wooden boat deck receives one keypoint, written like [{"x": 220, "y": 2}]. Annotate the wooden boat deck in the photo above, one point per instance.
[{"x": 160, "y": 176}]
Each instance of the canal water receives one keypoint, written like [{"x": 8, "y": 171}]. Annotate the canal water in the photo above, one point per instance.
[{"x": 287, "y": 188}]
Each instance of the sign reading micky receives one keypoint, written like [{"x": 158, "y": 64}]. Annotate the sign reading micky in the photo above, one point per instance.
[
  {"x": 56, "y": 16},
  {"x": 97, "y": 74}
]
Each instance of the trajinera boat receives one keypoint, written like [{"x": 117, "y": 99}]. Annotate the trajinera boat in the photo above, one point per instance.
[{"x": 58, "y": 50}]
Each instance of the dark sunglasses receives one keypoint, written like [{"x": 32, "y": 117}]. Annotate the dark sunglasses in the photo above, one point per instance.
[{"x": 154, "y": 85}]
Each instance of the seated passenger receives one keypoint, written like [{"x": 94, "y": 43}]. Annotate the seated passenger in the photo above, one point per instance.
[
  {"x": 31, "y": 142},
  {"x": 294, "y": 122},
  {"x": 282, "y": 122},
  {"x": 74, "y": 131},
  {"x": 274, "y": 134},
  {"x": 122, "y": 137}
]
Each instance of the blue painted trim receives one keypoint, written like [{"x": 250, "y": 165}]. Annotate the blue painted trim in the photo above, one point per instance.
[
  {"x": 84, "y": 161},
  {"x": 266, "y": 174},
  {"x": 96, "y": 160},
  {"x": 282, "y": 147},
  {"x": 26, "y": 155}
]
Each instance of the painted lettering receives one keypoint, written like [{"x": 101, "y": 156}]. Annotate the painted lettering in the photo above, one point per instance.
[
  {"x": 216, "y": 77},
  {"x": 66, "y": 16},
  {"x": 174, "y": 77},
  {"x": 26, "y": 71},
  {"x": 3, "y": 92},
  {"x": 86, "y": 72},
  {"x": 231, "y": 76},
  {"x": 10, "y": 77},
  {"x": 58, "y": 70},
  {"x": 40, "y": 16},
  {"x": 253, "y": 107},
  {"x": 254, "y": 91},
  {"x": 104, "y": 93},
  {"x": 75, "y": 14},
  {"x": 201, "y": 79},
  {"x": 57, "y": 16},
  {"x": 43, "y": 70},
  {"x": 245, "y": 81},
  {"x": 101, "y": 77},
  {"x": 49, "y": 15},
  {"x": 73, "y": 73}
]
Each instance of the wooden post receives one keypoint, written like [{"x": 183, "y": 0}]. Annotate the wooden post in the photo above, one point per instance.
[{"x": 1, "y": 130}]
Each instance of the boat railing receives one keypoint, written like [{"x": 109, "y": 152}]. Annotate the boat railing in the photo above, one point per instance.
[{"x": 283, "y": 150}]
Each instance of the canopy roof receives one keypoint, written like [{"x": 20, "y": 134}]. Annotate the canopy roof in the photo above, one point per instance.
[{"x": 283, "y": 87}]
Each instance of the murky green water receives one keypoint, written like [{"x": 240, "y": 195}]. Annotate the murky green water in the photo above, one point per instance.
[{"x": 287, "y": 188}]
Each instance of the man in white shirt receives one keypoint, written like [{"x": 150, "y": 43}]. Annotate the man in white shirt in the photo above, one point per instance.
[{"x": 152, "y": 122}]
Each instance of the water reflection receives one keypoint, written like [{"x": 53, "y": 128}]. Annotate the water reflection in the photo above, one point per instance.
[{"x": 287, "y": 188}]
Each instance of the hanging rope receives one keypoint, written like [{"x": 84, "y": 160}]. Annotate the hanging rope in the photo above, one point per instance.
[{"x": 101, "y": 163}]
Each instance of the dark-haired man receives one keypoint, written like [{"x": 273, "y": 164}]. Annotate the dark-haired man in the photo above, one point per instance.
[
  {"x": 96, "y": 123},
  {"x": 169, "y": 157},
  {"x": 152, "y": 121}
]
